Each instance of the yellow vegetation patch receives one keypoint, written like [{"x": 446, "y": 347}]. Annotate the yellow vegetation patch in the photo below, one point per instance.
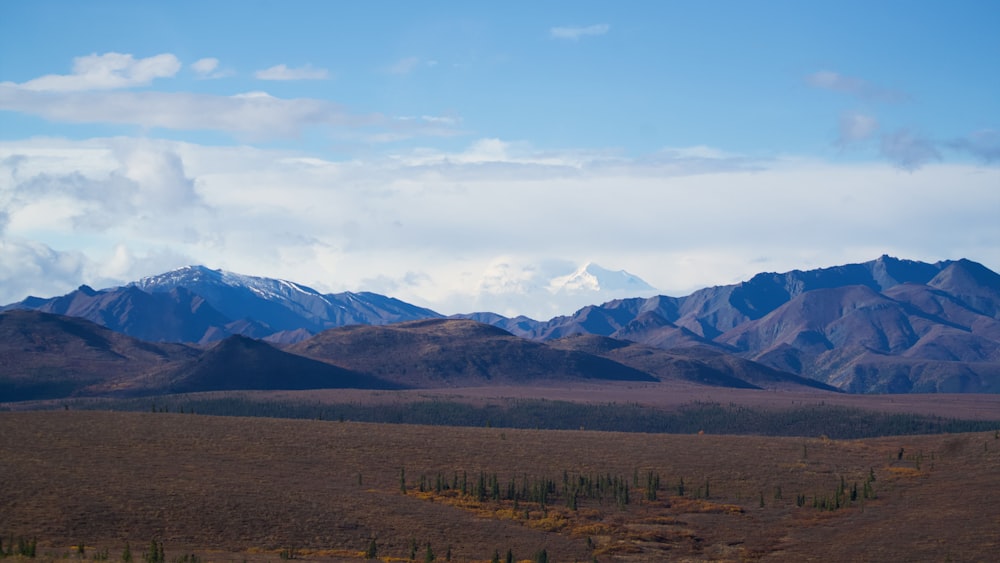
[
  {"x": 904, "y": 471},
  {"x": 594, "y": 529},
  {"x": 663, "y": 521},
  {"x": 620, "y": 548},
  {"x": 554, "y": 522},
  {"x": 700, "y": 506}
]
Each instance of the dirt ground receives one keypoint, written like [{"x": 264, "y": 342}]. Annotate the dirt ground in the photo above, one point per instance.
[
  {"x": 670, "y": 395},
  {"x": 233, "y": 489}
]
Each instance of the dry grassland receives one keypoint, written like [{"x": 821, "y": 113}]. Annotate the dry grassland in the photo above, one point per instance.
[
  {"x": 666, "y": 395},
  {"x": 233, "y": 489}
]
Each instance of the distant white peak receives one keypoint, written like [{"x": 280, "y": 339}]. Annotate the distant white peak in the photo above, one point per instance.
[{"x": 592, "y": 278}]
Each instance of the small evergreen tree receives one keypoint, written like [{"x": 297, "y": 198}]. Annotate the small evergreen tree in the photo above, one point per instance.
[
  {"x": 429, "y": 554},
  {"x": 372, "y": 551},
  {"x": 542, "y": 557},
  {"x": 127, "y": 553},
  {"x": 155, "y": 553}
]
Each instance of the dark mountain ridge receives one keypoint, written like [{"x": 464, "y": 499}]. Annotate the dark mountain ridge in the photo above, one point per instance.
[
  {"x": 887, "y": 325},
  {"x": 44, "y": 356},
  {"x": 197, "y": 304},
  {"x": 457, "y": 353}
]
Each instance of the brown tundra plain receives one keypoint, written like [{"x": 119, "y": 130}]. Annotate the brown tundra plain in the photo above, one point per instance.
[{"x": 192, "y": 488}]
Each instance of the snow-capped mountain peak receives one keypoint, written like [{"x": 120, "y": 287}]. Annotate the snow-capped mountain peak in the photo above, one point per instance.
[
  {"x": 591, "y": 277},
  {"x": 549, "y": 288},
  {"x": 201, "y": 275}
]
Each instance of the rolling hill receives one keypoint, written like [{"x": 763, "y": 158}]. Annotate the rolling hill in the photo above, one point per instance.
[
  {"x": 45, "y": 356},
  {"x": 457, "y": 353}
]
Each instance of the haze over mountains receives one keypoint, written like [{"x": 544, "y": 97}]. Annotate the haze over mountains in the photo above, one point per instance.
[
  {"x": 887, "y": 325},
  {"x": 550, "y": 289}
]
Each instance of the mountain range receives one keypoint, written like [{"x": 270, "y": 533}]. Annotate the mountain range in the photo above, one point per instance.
[
  {"x": 197, "y": 304},
  {"x": 887, "y": 325}
]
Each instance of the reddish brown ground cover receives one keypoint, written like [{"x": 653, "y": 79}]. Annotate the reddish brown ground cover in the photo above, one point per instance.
[
  {"x": 672, "y": 395},
  {"x": 234, "y": 489}
]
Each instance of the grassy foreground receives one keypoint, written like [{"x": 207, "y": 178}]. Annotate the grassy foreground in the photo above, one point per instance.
[{"x": 83, "y": 485}]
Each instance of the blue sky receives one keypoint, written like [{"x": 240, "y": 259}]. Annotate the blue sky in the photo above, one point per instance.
[{"x": 460, "y": 155}]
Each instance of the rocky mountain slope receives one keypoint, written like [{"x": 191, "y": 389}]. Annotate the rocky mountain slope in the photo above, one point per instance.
[
  {"x": 887, "y": 325},
  {"x": 197, "y": 304},
  {"x": 44, "y": 356},
  {"x": 457, "y": 353}
]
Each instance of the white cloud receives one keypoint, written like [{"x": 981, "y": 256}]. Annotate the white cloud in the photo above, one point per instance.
[
  {"x": 146, "y": 194},
  {"x": 834, "y": 81},
  {"x": 209, "y": 68},
  {"x": 283, "y": 72},
  {"x": 33, "y": 268},
  {"x": 576, "y": 32},
  {"x": 450, "y": 230},
  {"x": 855, "y": 127},
  {"x": 82, "y": 98},
  {"x": 106, "y": 72},
  {"x": 253, "y": 115},
  {"x": 205, "y": 66}
]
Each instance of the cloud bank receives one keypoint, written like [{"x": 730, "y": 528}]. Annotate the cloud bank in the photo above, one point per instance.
[
  {"x": 465, "y": 230},
  {"x": 105, "y": 72}
]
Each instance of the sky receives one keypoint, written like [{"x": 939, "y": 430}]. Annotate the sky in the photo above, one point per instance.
[{"x": 461, "y": 155}]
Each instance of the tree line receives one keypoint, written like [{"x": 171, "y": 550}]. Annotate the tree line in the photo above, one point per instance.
[{"x": 835, "y": 422}]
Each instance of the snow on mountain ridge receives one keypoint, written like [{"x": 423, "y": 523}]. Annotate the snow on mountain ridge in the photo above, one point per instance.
[{"x": 267, "y": 288}]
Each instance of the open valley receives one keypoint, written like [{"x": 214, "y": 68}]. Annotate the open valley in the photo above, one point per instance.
[{"x": 256, "y": 489}]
